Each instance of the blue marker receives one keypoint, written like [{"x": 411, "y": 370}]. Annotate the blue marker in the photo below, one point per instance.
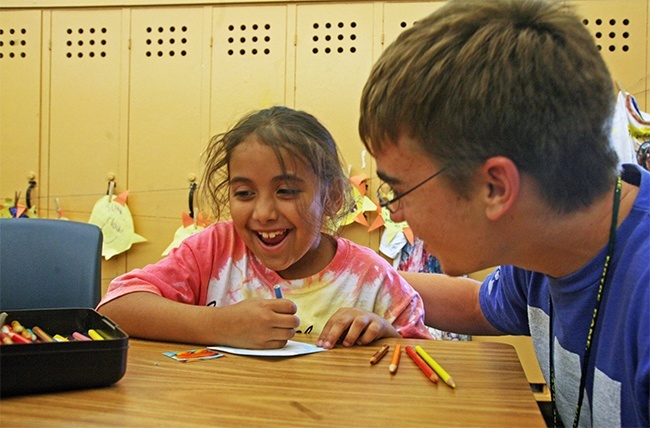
[{"x": 278, "y": 292}]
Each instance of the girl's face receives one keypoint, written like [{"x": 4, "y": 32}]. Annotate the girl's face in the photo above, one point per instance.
[{"x": 278, "y": 214}]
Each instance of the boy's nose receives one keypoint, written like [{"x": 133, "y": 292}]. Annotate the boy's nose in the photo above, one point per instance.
[{"x": 397, "y": 216}]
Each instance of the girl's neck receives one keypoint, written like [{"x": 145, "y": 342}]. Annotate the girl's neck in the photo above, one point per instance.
[{"x": 314, "y": 261}]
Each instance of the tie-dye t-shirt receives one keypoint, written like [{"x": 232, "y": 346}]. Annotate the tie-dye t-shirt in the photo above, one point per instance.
[{"x": 215, "y": 268}]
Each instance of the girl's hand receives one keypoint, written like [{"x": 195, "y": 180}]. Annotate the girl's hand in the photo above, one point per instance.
[
  {"x": 354, "y": 326},
  {"x": 257, "y": 323}
]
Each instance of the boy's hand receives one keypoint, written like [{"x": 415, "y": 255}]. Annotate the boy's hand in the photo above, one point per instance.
[{"x": 354, "y": 326}]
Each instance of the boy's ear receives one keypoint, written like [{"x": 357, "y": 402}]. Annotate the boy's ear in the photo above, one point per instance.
[{"x": 500, "y": 179}]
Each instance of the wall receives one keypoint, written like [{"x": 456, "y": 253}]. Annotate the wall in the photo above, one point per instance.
[{"x": 91, "y": 90}]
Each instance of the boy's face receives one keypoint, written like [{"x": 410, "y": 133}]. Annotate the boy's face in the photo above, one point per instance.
[
  {"x": 277, "y": 214},
  {"x": 452, "y": 227}
]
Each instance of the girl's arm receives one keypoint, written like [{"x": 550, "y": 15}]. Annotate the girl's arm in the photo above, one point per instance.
[
  {"x": 451, "y": 303},
  {"x": 252, "y": 323}
]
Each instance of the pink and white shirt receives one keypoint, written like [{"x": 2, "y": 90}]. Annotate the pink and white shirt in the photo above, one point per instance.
[{"x": 215, "y": 268}]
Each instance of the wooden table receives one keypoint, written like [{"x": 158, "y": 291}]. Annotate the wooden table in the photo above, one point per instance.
[{"x": 338, "y": 387}]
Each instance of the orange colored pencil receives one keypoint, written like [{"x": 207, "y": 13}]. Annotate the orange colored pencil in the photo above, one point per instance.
[
  {"x": 428, "y": 371},
  {"x": 379, "y": 354},
  {"x": 394, "y": 361}
]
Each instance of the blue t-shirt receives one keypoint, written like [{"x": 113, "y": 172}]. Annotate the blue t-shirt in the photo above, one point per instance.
[{"x": 516, "y": 301}]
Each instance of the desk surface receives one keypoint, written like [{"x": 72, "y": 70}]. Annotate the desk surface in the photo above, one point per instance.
[{"x": 338, "y": 387}]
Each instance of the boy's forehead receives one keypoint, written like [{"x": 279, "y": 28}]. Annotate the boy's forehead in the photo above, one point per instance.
[{"x": 399, "y": 158}]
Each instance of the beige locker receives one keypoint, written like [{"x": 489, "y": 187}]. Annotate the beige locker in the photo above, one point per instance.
[
  {"x": 86, "y": 139},
  {"x": 398, "y": 16},
  {"x": 86, "y": 133},
  {"x": 334, "y": 54},
  {"x": 250, "y": 51},
  {"x": 20, "y": 109},
  {"x": 620, "y": 30},
  {"x": 168, "y": 120}
]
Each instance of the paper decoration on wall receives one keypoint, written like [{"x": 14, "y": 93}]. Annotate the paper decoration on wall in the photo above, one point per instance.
[
  {"x": 362, "y": 202},
  {"x": 59, "y": 211},
  {"x": 113, "y": 217},
  {"x": 392, "y": 228},
  {"x": 395, "y": 236},
  {"x": 12, "y": 208},
  {"x": 630, "y": 128},
  {"x": 189, "y": 227}
]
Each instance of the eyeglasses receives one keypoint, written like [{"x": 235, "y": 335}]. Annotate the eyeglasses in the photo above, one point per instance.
[{"x": 385, "y": 192}]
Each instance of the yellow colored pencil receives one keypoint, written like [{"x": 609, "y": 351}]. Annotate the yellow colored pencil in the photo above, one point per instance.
[{"x": 435, "y": 366}]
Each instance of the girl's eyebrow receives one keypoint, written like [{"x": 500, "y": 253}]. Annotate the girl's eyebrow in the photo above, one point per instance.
[
  {"x": 278, "y": 178},
  {"x": 237, "y": 179},
  {"x": 288, "y": 177}
]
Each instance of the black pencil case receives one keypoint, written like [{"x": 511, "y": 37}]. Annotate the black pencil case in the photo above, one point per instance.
[{"x": 55, "y": 366}]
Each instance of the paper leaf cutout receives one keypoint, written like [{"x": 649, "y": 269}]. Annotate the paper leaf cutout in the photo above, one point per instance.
[
  {"x": 393, "y": 228},
  {"x": 362, "y": 204},
  {"x": 113, "y": 217},
  {"x": 188, "y": 229}
]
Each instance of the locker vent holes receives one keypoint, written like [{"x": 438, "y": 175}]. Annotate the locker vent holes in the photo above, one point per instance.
[
  {"x": 332, "y": 38},
  {"x": 86, "y": 42},
  {"x": 249, "y": 39},
  {"x": 611, "y": 35},
  {"x": 13, "y": 43},
  {"x": 163, "y": 41}
]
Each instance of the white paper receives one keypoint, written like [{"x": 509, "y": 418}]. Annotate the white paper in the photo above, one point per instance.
[{"x": 291, "y": 349}]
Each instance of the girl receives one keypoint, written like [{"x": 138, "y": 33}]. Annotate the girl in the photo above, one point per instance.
[{"x": 279, "y": 172}]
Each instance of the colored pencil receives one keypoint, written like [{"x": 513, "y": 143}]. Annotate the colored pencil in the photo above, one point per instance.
[
  {"x": 394, "y": 361},
  {"x": 435, "y": 366},
  {"x": 428, "y": 371},
  {"x": 379, "y": 354}
]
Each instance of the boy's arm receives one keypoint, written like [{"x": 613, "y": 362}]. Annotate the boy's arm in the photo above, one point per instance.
[{"x": 451, "y": 303}]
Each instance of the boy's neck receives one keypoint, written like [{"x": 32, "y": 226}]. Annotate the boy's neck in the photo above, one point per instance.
[{"x": 559, "y": 245}]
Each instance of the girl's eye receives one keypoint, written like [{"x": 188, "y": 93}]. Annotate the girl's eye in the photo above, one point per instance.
[
  {"x": 243, "y": 194},
  {"x": 288, "y": 192}
]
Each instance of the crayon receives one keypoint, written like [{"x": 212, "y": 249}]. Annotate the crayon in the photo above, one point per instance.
[
  {"x": 379, "y": 354},
  {"x": 394, "y": 361},
  {"x": 78, "y": 336},
  {"x": 278, "y": 292},
  {"x": 428, "y": 371},
  {"x": 59, "y": 338},
  {"x": 5, "y": 338},
  {"x": 42, "y": 335},
  {"x": 17, "y": 327},
  {"x": 28, "y": 334},
  {"x": 94, "y": 335},
  {"x": 435, "y": 366}
]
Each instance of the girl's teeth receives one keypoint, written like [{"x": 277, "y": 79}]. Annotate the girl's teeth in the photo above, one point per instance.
[{"x": 270, "y": 235}]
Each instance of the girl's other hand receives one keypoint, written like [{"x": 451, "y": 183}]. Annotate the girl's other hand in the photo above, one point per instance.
[{"x": 354, "y": 326}]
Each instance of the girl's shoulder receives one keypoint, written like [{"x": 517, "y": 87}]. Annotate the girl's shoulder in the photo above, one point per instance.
[{"x": 350, "y": 250}]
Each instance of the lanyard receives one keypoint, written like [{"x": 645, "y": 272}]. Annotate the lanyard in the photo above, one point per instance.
[{"x": 594, "y": 317}]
